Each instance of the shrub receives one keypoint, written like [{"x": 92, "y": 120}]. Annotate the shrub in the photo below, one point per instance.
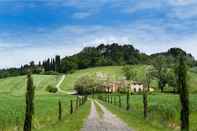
[{"x": 51, "y": 89}]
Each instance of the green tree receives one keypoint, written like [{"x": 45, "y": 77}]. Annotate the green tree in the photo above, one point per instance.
[
  {"x": 129, "y": 73},
  {"x": 146, "y": 89},
  {"x": 57, "y": 63},
  {"x": 85, "y": 84},
  {"x": 181, "y": 75},
  {"x": 160, "y": 72},
  {"x": 29, "y": 104}
]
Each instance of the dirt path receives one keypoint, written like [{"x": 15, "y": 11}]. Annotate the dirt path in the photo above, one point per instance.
[
  {"x": 59, "y": 83},
  {"x": 62, "y": 91},
  {"x": 108, "y": 122}
]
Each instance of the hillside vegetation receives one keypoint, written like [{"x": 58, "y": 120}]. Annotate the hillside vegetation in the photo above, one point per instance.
[{"x": 115, "y": 72}]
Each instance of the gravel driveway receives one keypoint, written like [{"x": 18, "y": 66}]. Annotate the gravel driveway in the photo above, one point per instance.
[{"x": 108, "y": 121}]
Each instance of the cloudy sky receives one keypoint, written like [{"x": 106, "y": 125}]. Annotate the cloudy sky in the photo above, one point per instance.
[{"x": 36, "y": 29}]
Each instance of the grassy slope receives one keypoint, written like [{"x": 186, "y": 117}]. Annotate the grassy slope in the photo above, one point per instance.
[
  {"x": 163, "y": 110},
  {"x": 116, "y": 73},
  {"x": 17, "y": 85}
]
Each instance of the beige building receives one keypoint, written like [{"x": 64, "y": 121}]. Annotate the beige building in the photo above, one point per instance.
[{"x": 116, "y": 86}]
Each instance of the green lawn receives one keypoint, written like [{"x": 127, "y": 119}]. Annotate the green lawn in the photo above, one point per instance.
[{"x": 163, "y": 112}]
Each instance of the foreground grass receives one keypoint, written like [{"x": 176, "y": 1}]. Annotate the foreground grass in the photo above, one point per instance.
[
  {"x": 164, "y": 112},
  {"x": 46, "y": 109},
  {"x": 70, "y": 122}
]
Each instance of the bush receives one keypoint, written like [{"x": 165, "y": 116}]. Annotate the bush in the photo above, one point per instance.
[
  {"x": 85, "y": 85},
  {"x": 51, "y": 89}
]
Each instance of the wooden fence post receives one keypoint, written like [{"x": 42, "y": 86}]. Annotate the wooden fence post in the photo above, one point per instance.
[
  {"x": 71, "y": 106},
  {"x": 77, "y": 104},
  {"x": 127, "y": 100},
  {"x": 120, "y": 101}
]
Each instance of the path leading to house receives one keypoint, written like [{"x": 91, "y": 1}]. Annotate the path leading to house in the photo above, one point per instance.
[
  {"x": 59, "y": 83},
  {"x": 62, "y": 91},
  {"x": 108, "y": 121}
]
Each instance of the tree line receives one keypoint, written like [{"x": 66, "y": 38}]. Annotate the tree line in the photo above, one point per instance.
[{"x": 102, "y": 55}]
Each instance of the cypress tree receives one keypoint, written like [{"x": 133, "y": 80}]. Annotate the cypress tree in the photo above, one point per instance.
[
  {"x": 145, "y": 102},
  {"x": 146, "y": 88},
  {"x": 57, "y": 63},
  {"x": 181, "y": 75},
  {"x": 29, "y": 104},
  {"x": 60, "y": 110}
]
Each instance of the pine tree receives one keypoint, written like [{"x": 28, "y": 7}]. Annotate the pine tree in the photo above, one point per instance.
[
  {"x": 181, "y": 75},
  {"x": 29, "y": 104}
]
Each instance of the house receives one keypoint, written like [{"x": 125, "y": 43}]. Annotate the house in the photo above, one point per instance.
[
  {"x": 116, "y": 86},
  {"x": 136, "y": 87}
]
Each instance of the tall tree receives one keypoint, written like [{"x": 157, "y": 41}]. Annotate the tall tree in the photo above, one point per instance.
[
  {"x": 146, "y": 89},
  {"x": 181, "y": 76},
  {"x": 29, "y": 104},
  {"x": 160, "y": 72},
  {"x": 57, "y": 63}
]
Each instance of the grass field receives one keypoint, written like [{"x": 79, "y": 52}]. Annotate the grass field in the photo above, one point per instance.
[
  {"x": 46, "y": 111},
  {"x": 163, "y": 113}
]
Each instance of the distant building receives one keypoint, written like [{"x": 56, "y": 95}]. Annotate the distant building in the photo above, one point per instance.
[
  {"x": 116, "y": 86},
  {"x": 136, "y": 87}
]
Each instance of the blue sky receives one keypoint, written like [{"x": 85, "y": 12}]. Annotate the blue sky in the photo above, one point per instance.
[{"x": 37, "y": 29}]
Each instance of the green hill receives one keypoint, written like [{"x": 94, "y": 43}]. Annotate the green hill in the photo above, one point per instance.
[
  {"x": 16, "y": 85},
  {"x": 116, "y": 72}
]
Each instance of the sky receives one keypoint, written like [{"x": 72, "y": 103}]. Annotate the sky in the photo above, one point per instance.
[{"x": 38, "y": 29}]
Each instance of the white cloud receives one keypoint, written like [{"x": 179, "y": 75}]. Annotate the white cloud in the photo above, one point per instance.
[{"x": 68, "y": 40}]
